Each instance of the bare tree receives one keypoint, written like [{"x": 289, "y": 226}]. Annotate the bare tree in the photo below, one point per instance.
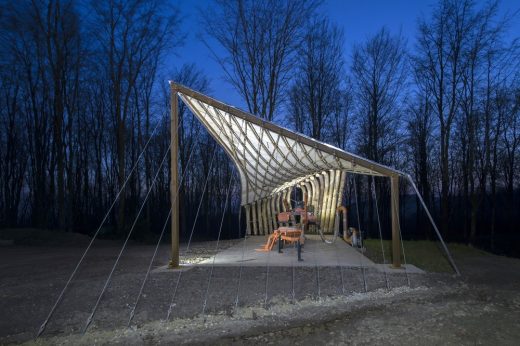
[
  {"x": 420, "y": 131},
  {"x": 316, "y": 93},
  {"x": 508, "y": 103},
  {"x": 130, "y": 33},
  {"x": 481, "y": 125},
  {"x": 343, "y": 117},
  {"x": 439, "y": 59},
  {"x": 259, "y": 39},
  {"x": 379, "y": 71},
  {"x": 191, "y": 141},
  {"x": 13, "y": 158},
  {"x": 58, "y": 21},
  {"x": 24, "y": 44}
]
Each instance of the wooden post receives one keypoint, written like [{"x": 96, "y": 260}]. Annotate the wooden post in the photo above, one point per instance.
[
  {"x": 255, "y": 224},
  {"x": 248, "y": 219},
  {"x": 394, "y": 205},
  {"x": 174, "y": 182}
]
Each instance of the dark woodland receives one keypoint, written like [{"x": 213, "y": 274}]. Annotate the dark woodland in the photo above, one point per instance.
[{"x": 84, "y": 102}]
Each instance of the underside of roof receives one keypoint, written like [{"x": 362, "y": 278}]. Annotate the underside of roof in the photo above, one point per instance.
[{"x": 270, "y": 158}]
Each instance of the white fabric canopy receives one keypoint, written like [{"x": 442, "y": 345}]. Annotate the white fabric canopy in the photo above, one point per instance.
[{"x": 270, "y": 158}]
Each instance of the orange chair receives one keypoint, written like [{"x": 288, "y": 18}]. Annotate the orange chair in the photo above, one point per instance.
[{"x": 289, "y": 234}]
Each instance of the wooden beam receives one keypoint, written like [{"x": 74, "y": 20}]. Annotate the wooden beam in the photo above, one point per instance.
[
  {"x": 174, "y": 183},
  {"x": 394, "y": 205},
  {"x": 248, "y": 218}
]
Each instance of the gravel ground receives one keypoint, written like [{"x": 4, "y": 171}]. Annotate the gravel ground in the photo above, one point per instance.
[{"x": 302, "y": 306}]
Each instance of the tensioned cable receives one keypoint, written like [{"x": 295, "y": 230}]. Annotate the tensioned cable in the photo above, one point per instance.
[
  {"x": 448, "y": 255},
  {"x": 44, "y": 324},
  {"x": 243, "y": 253},
  {"x": 267, "y": 273},
  {"x": 90, "y": 318},
  {"x": 160, "y": 238},
  {"x": 269, "y": 256},
  {"x": 337, "y": 219},
  {"x": 336, "y": 225},
  {"x": 216, "y": 247},
  {"x": 317, "y": 268},
  {"x": 293, "y": 279},
  {"x": 293, "y": 274},
  {"x": 132, "y": 312},
  {"x": 402, "y": 244},
  {"x": 360, "y": 235},
  {"x": 242, "y": 262},
  {"x": 191, "y": 234},
  {"x": 380, "y": 232},
  {"x": 244, "y": 242}
]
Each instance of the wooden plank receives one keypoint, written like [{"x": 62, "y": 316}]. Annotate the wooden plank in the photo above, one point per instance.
[
  {"x": 325, "y": 202},
  {"x": 248, "y": 219},
  {"x": 394, "y": 205},
  {"x": 174, "y": 182},
  {"x": 264, "y": 216},
  {"x": 269, "y": 214},
  {"x": 273, "y": 212},
  {"x": 315, "y": 193},
  {"x": 330, "y": 204},
  {"x": 319, "y": 207},
  {"x": 336, "y": 193},
  {"x": 254, "y": 214},
  {"x": 373, "y": 167},
  {"x": 259, "y": 217}
]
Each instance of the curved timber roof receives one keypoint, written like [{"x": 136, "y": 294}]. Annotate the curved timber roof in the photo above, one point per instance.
[{"x": 270, "y": 158}]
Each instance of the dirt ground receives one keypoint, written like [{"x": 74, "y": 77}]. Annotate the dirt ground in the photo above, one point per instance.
[{"x": 326, "y": 305}]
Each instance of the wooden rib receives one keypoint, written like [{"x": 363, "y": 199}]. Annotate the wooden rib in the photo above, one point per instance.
[
  {"x": 248, "y": 218},
  {"x": 255, "y": 223},
  {"x": 373, "y": 167},
  {"x": 229, "y": 151},
  {"x": 264, "y": 216},
  {"x": 324, "y": 188},
  {"x": 222, "y": 128},
  {"x": 334, "y": 201},
  {"x": 273, "y": 212},
  {"x": 332, "y": 184}
]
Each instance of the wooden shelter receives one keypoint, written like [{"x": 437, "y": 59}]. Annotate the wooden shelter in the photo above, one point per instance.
[{"x": 271, "y": 160}]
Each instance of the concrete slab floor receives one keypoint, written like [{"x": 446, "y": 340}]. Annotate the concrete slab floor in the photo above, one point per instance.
[{"x": 314, "y": 253}]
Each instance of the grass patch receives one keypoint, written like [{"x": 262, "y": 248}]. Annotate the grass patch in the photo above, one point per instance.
[{"x": 424, "y": 254}]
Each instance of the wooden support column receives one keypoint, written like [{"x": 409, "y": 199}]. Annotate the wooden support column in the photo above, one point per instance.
[
  {"x": 315, "y": 193},
  {"x": 394, "y": 205},
  {"x": 325, "y": 203},
  {"x": 273, "y": 211},
  {"x": 308, "y": 187},
  {"x": 264, "y": 216},
  {"x": 331, "y": 207},
  {"x": 337, "y": 190},
  {"x": 288, "y": 198},
  {"x": 248, "y": 219},
  {"x": 319, "y": 206},
  {"x": 255, "y": 224},
  {"x": 259, "y": 217},
  {"x": 174, "y": 182},
  {"x": 269, "y": 215},
  {"x": 277, "y": 203}
]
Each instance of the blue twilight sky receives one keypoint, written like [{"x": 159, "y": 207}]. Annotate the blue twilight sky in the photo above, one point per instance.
[{"x": 359, "y": 19}]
